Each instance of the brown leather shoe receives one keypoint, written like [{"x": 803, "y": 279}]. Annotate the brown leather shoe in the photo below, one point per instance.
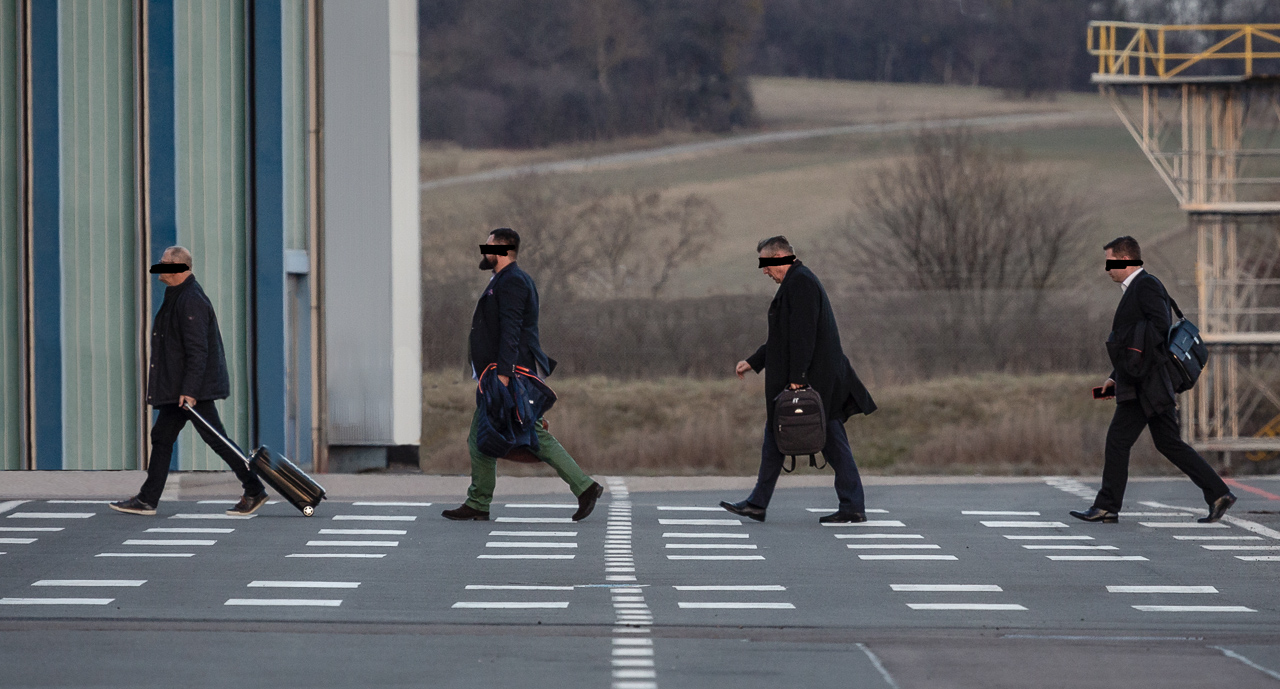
[
  {"x": 248, "y": 505},
  {"x": 465, "y": 513},
  {"x": 1218, "y": 508}
]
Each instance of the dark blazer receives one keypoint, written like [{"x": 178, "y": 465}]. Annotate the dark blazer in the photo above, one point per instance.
[
  {"x": 804, "y": 347},
  {"x": 504, "y": 327},
  {"x": 186, "y": 348},
  {"x": 1137, "y": 346}
]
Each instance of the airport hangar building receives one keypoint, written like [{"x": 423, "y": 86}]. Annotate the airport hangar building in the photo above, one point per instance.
[{"x": 278, "y": 140}]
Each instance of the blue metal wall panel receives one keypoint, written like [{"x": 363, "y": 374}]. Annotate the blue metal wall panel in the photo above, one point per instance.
[
  {"x": 11, "y": 307},
  {"x": 267, "y": 224},
  {"x": 46, "y": 278}
]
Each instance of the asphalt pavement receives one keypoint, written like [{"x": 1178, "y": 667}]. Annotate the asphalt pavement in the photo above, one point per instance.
[{"x": 977, "y": 584}]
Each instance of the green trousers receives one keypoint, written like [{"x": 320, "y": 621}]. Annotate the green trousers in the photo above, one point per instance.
[{"x": 484, "y": 469}]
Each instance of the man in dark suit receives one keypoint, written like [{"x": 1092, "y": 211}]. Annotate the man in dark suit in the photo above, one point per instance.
[
  {"x": 803, "y": 349},
  {"x": 1143, "y": 389},
  {"x": 188, "y": 369},
  {"x": 504, "y": 331}
]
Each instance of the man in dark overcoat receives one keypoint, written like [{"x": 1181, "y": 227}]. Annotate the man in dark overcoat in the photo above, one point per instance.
[
  {"x": 188, "y": 368},
  {"x": 803, "y": 349},
  {"x": 504, "y": 333},
  {"x": 1143, "y": 389}
]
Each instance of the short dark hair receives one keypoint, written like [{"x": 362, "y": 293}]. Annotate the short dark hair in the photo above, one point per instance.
[
  {"x": 775, "y": 245},
  {"x": 506, "y": 236},
  {"x": 1126, "y": 247}
]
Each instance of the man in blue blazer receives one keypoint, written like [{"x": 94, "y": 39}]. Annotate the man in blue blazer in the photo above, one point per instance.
[{"x": 504, "y": 332}]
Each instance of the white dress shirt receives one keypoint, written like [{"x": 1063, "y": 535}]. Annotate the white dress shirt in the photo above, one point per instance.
[{"x": 1124, "y": 286}]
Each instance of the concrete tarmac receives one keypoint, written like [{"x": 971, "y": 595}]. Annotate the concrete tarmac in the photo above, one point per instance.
[{"x": 952, "y": 583}]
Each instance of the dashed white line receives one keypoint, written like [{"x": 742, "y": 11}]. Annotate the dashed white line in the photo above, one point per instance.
[
  {"x": 1097, "y": 558},
  {"x": 169, "y": 541},
  {"x": 947, "y": 588},
  {"x": 145, "y": 555},
  {"x": 1162, "y": 589},
  {"x": 184, "y": 530},
  {"x": 1193, "y": 608},
  {"x": 735, "y": 605},
  {"x": 304, "y": 584},
  {"x": 908, "y": 557},
  {"x": 51, "y": 515},
  {"x": 285, "y": 602},
  {"x": 91, "y": 582},
  {"x": 363, "y": 532},
  {"x": 732, "y": 587},
  {"x": 1023, "y": 525},
  {"x": 56, "y": 601},
  {"x": 356, "y": 544},
  {"x": 966, "y": 606}
]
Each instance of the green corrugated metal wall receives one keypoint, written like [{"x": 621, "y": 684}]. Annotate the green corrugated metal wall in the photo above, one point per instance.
[
  {"x": 210, "y": 87},
  {"x": 10, "y": 311},
  {"x": 99, "y": 237},
  {"x": 294, "y": 87}
]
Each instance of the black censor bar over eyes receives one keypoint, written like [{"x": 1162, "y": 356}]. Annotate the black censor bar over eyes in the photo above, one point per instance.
[
  {"x": 499, "y": 249},
  {"x": 169, "y": 268},
  {"x": 776, "y": 261},
  {"x": 1117, "y": 264}
]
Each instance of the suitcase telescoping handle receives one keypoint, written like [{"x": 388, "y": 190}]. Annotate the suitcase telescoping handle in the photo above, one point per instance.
[{"x": 209, "y": 427}]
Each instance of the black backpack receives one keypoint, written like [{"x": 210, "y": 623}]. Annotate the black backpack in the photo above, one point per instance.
[
  {"x": 1187, "y": 352},
  {"x": 800, "y": 425}
]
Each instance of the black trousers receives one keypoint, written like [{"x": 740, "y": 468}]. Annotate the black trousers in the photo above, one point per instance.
[
  {"x": 1126, "y": 426},
  {"x": 169, "y": 422},
  {"x": 837, "y": 453}
]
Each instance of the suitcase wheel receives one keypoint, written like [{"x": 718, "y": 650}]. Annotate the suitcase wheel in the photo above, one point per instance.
[{"x": 308, "y": 511}]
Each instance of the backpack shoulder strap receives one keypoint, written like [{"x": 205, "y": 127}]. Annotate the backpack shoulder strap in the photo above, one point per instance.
[
  {"x": 793, "y": 464},
  {"x": 813, "y": 462}
]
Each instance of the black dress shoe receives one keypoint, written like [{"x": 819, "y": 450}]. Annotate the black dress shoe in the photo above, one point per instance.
[
  {"x": 133, "y": 505},
  {"x": 744, "y": 509},
  {"x": 587, "y": 501},
  {"x": 1218, "y": 508},
  {"x": 465, "y": 513},
  {"x": 843, "y": 518},
  {"x": 1096, "y": 514}
]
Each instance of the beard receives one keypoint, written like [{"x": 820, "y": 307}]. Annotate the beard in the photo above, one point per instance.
[{"x": 486, "y": 262}]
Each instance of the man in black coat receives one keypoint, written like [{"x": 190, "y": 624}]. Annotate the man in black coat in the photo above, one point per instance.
[
  {"x": 1143, "y": 389},
  {"x": 188, "y": 368},
  {"x": 504, "y": 334},
  {"x": 803, "y": 349}
]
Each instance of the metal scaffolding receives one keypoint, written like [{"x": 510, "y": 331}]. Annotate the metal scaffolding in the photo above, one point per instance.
[{"x": 1200, "y": 103}]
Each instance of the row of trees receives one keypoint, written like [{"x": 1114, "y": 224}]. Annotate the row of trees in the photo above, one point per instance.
[{"x": 527, "y": 73}]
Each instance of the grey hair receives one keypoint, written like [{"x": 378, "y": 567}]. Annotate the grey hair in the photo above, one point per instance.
[
  {"x": 178, "y": 254},
  {"x": 775, "y": 246}
]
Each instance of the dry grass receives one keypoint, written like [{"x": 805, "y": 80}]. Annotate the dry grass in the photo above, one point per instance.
[{"x": 995, "y": 424}]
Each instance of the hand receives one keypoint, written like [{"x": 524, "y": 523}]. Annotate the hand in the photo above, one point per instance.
[
  {"x": 796, "y": 386},
  {"x": 185, "y": 401},
  {"x": 1108, "y": 389},
  {"x": 742, "y": 368},
  {"x": 504, "y": 380}
]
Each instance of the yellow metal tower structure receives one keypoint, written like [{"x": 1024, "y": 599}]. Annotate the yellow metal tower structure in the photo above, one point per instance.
[{"x": 1203, "y": 103}]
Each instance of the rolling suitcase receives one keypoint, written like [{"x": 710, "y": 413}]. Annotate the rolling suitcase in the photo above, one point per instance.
[{"x": 276, "y": 471}]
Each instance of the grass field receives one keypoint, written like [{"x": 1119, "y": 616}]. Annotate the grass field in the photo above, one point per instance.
[
  {"x": 990, "y": 424},
  {"x": 801, "y": 188}
]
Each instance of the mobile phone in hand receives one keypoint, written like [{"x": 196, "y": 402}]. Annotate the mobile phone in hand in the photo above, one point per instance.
[{"x": 1101, "y": 393}]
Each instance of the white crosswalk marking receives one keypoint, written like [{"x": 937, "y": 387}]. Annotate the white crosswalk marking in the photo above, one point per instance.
[
  {"x": 998, "y": 513},
  {"x": 516, "y": 587},
  {"x": 339, "y": 556},
  {"x": 736, "y": 605},
  {"x": 1162, "y": 589},
  {"x": 878, "y": 535},
  {"x": 523, "y": 556},
  {"x": 1193, "y": 608},
  {"x": 512, "y": 605},
  {"x": 373, "y": 518},
  {"x": 732, "y": 587},
  {"x": 56, "y": 601},
  {"x": 908, "y": 557},
  {"x": 1019, "y": 537},
  {"x": 893, "y": 546},
  {"x": 1184, "y": 525},
  {"x": 18, "y": 541},
  {"x": 535, "y": 534},
  {"x": 544, "y": 505},
  {"x": 530, "y": 544},
  {"x": 1070, "y": 547},
  {"x": 91, "y": 582},
  {"x": 304, "y": 584},
  {"x": 169, "y": 541},
  {"x": 706, "y": 534},
  {"x": 713, "y": 546},
  {"x": 534, "y": 520},
  {"x": 869, "y": 524},
  {"x": 185, "y": 530},
  {"x": 715, "y": 557},
  {"x": 700, "y": 522},
  {"x": 286, "y": 602},
  {"x": 1023, "y": 525},
  {"x": 966, "y": 606},
  {"x": 363, "y": 532},
  {"x": 51, "y": 515},
  {"x": 947, "y": 588},
  {"x": 145, "y": 555},
  {"x": 1206, "y": 547},
  {"x": 1097, "y": 558},
  {"x": 352, "y": 544},
  {"x": 30, "y": 529},
  {"x": 203, "y": 515},
  {"x": 385, "y": 503},
  {"x": 1183, "y": 537}
]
